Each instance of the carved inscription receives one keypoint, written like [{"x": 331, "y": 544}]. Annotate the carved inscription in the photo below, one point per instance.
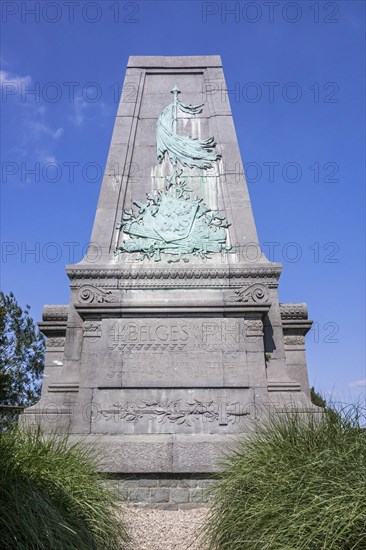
[
  {"x": 200, "y": 335},
  {"x": 136, "y": 336},
  {"x": 194, "y": 352}
]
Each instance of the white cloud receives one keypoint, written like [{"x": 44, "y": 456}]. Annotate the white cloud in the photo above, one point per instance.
[
  {"x": 39, "y": 127},
  {"x": 37, "y": 134},
  {"x": 45, "y": 157},
  {"x": 58, "y": 133},
  {"x": 80, "y": 106},
  {"x": 7, "y": 78},
  {"x": 84, "y": 110},
  {"x": 358, "y": 383}
]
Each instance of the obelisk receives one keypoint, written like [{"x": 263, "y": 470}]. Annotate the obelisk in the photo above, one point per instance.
[{"x": 174, "y": 340}]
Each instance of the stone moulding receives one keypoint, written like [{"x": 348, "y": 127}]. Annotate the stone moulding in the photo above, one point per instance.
[
  {"x": 174, "y": 278},
  {"x": 62, "y": 387},
  {"x": 54, "y": 324},
  {"x": 284, "y": 387},
  {"x": 178, "y": 273},
  {"x": 294, "y": 311},
  {"x": 125, "y": 310},
  {"x": 252, "y": 294},
  {"x": 55, "y": 312}
]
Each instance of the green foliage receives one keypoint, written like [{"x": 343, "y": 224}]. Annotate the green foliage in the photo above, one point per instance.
[
  {"x": 22, "y": 350},
  {"x": 317, "y": 399},
  {"x": 52, "y": 497},
  {"x": 299, "y": 483}
]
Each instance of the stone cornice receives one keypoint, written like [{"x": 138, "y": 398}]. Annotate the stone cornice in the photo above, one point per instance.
[
  {"x": 293, "y": 311},
  {"x": 252, "y": 311},
  {"x": 55, "y": 312},
  {"x": 176, "y": 278}
]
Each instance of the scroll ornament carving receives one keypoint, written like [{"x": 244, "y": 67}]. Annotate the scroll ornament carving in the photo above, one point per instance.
[
  {"x": 254, "y": 294},
  {"x": 89, "y": 294}
]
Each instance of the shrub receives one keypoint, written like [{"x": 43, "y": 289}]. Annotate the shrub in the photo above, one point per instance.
[
  {"x": 52, "y": 497},
  {"x": 299, "y": 483}
]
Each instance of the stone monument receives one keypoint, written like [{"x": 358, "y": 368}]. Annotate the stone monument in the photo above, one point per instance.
[{"x": 174, "y": 340}]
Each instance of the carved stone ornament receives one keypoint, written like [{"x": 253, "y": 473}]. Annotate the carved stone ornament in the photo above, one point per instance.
[
  {"x": 55, "y": 342},
  {"x": 92, "y": 329},
  {"x": 294, "y": 340},
  {"x": 175, "y": 412},
  {"x": 172, "y": 223},
  {"x": 253, "y": 328},
  {"x": 89, "y": 294},
  {"x": 195, "y": 275},
  {"x": 254, "y": 294}
]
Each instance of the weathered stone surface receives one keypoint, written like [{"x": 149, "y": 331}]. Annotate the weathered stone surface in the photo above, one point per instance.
[
  {"x": 168, "y": 482},
  {"x": 198, "y": 495},
  {"x": 188, "y": 483},
  {"x": 159, "y": 495},
  {"x": 139, "y": 495},
  {"x": 148, "y": 482},
  {"x": 179, "y": 495}
]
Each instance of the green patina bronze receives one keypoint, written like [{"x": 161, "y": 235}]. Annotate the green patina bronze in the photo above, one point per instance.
[
  {"x": 188, "y": 151},
  {"x": 171, "y": 222}
]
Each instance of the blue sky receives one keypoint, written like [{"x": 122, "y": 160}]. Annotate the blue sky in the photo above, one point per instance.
[{"x": 296, "y": 75}]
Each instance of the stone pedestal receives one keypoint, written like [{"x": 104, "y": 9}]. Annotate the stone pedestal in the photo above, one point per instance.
[{"x": 174, "y": 341}]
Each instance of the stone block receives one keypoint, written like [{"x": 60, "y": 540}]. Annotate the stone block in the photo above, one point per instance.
[
  {"x": 198, "y": 495},
  {"x": 205, "y": 483},
  {"x": 187, "y": 483},
  {"x": 179, "y": 495},
  {"x": 139, "y": 495},
  {"x": 168, "y": 482},
  {"x": 147, "y": 482},
  {"x": 160, "y": 495}
]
